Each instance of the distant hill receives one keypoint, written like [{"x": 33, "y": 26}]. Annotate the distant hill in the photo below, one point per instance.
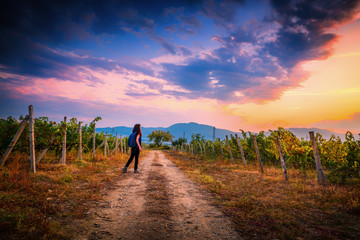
[{"x": 179, "y": 129}]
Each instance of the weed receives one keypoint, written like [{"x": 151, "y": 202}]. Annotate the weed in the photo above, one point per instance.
[
  {"x": 268, "y": 207},
  {"x": 42, "y": 205}
]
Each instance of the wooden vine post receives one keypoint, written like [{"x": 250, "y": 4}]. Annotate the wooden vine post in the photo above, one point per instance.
[
  {"x": 204, "y": 146},
  {"x": 121, "y": 144},
  {"x": 32, "y": 140},
  {"x": 321, "y": 176},
  {"x": 116, "y": 145},
  {"x": 241, "y": 149},
  {"x": 105, "y": 144},
  {"x": 63, "y": 158},
  {"x": 222, "y": 152},
  {"x": 283, "y": 164},
  {"x": 213, "y": 148},
  {"x": 94, "y": 138},
  {"x": 258, "y": 154},
  {"x": 45, "y": 150},
  {"x": 124, "y": 145},
  {"x": 14, "y": 140},
  {"x": 80, "y": 141},
  {"x": 200, "y": 148},
  {"x": 228, "y": 144}
]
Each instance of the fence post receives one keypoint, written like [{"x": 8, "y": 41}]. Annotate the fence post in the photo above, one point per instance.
[
  {"x": 201, "y": 152},
  {"x": 116, "y": 145},
  {"x": 32, "y": 140},
  {"x": 258, "y": 154},
  {"x": 241, "y": 149},
  {"x": 94, "y": 138},
  {"x": 63, "y": 158},
  {"x": 213, "y": 148},
  {"x": 222, "y": 152},
  {"x": 227, "y": 142},
  {"x": 45, "y": 150},
  {"x": 121, "y": 144},
  {"x": 14, "y": 140},
  {"x": 321, "y": 176},
  {"x": 105, "y": 144},
  {"x": 204, "y": 145},
  {"x": 283, "y": 164},
  {"x": 124, "y": 145},
  {"x": 80, "y": 141}
]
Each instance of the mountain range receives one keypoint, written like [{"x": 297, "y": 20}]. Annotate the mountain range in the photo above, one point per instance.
[{"x": 187, "y": 129}]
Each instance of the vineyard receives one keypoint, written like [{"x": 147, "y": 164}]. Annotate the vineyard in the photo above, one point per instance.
[
  {"x": 340, "y": 160},
  {"x": 56, "y": 139},
  {"x": 73, "y": 164}
]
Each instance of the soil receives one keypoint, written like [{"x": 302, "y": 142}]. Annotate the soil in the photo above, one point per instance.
[{"x": 157, "y": 203}]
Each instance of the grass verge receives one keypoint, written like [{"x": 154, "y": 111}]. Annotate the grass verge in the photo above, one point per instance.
[
  {"x": 43, "y": 205},
  {"x": 268, "y": 207}
]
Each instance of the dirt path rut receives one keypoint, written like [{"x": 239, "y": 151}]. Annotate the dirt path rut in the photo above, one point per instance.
[{"x": 158, "y": 203}]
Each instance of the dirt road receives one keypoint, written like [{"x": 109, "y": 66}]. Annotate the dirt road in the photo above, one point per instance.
[{"x": 158, "y": 203}]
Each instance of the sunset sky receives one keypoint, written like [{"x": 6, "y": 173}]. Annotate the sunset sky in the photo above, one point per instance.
[{"x": 254, "y": 65}]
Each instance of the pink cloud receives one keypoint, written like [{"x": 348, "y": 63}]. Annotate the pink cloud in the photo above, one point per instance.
[{"x": 351, "y": 124}]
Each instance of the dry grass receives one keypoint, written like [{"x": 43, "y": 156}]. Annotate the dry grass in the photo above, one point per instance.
[
  {"x": 41, "y": 205},
  {"x": 269, "y": 208}
]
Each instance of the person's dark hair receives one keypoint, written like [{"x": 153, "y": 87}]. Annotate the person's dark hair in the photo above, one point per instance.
[{"x": 137, "y": 129}]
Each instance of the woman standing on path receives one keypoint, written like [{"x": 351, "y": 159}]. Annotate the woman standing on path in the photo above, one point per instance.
[{"x": 135, "y": 151}]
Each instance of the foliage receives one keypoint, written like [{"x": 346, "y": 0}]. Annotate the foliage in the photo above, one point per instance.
[
  {"x": 179, "y": 142},
  {"x": 159, "y": 137},
  {"x": 50, "y": 134},
  {"x": 340, "y": 160}
]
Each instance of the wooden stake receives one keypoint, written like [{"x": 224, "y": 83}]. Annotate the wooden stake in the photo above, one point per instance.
[
  {"x": 121, "y": 144},
  {"x": 204, "y": 146},
  {"x": 258, "y": 154},
  {"x": 124, "y": 145},
  {"x": 321, "y": 176},
  {"x": 241, "y": 149},
  {"x": 105, "y": 144},
  {"x": 32, "y": 140},
  {"x": 63, "y": 159},
  {"x": 94, "y": 138},
  {"x": 213, "y": 148},
  {"x": 80, "y": 141},
  {"x": 222, "y": 152},
  {"x": 227, "y": 142},
  {"x": 45, "y": 150},
  {"x": 283, "y": 164},
  {"x": 14, "y": 140},
  {"x": 116, "y": 145}
]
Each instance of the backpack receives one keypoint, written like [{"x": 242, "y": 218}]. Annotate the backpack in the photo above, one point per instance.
[{"x": 132, "y": 140}]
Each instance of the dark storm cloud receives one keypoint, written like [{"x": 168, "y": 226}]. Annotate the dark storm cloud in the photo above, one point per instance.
[
  {"x": 222, "y": 12},
  {"x": 263, "y": 55},
  {"x": 31, "y": 30},
  {"x": 220, "y": 75},
  {"x": 303, "y": 28},
  {"x": 36, "y": 40}
]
